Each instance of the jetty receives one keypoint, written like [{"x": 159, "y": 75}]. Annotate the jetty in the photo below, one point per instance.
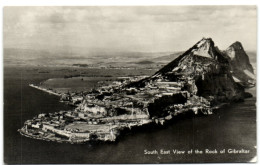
[{"x": 45, "y": 90}]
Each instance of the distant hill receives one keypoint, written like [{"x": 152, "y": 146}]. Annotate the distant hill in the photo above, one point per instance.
[
  {"x": 145, "y": 62},
  {"x": 45, "y": 57},
  {"x": 108, "y": 59},
  {"x": 168, "y": 57}
]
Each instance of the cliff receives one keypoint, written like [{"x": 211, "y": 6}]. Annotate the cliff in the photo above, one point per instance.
[
  {"x": 208, "y": 75},
  {"x": 209, "y": 71}
]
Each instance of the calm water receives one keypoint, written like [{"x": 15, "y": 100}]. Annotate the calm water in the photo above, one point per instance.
[{"x": 231, "y": 127}]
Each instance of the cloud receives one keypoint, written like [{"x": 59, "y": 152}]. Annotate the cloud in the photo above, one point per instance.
[{"x": 146, "y": 28}]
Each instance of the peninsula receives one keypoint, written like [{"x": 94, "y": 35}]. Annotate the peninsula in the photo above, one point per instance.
[{"x": 198, "y": 81}]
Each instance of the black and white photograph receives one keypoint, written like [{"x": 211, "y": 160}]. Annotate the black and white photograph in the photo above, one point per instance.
[{"x": 129, "y": 84}]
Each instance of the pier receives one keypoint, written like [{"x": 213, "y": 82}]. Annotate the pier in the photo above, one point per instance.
[{"x": 45, "y": 90}]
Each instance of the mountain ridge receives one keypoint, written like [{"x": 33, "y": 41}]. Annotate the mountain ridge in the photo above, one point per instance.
[{"x": 205, "y": 62}]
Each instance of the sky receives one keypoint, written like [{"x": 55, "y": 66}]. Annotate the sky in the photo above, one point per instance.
[{"x": 137, "y": 29}]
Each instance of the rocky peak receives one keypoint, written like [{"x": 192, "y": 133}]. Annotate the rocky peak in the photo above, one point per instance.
[
  {"x": 237, "y": 45},
  {"x": 203, "y": 50},
  {"x": 240, "y": 64},
  {"x": 204, "y": 41},
  {"x": 234, "y": 50},
  {"x": 238, "y": 57}
]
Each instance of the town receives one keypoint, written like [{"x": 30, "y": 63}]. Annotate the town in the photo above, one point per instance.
[{"x": 101, "y": 113}]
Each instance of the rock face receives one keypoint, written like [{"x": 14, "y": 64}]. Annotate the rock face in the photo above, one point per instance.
[
  {"x": 241, "y": 68},
  {"x": 207, "y": 72},
  {"x": 209, "y": 76}
]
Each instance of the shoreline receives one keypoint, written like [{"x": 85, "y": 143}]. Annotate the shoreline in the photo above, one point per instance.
[{"x": 117, "y": 128}]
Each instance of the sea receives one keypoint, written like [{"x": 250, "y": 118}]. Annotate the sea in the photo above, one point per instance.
[{"x": 233, "y": 127}]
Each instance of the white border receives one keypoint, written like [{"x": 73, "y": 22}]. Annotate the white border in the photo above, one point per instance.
[
  {"x": 123, "y": 2},
  {"x": 113, "y": 3}
]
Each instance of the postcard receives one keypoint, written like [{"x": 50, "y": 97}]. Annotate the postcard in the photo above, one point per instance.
[{"x": 129, "y": 84}]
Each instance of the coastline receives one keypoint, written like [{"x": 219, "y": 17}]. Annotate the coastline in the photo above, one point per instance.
[
  {"x": 138, "y": 122},
  {"x": 196, "y": 109}
]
